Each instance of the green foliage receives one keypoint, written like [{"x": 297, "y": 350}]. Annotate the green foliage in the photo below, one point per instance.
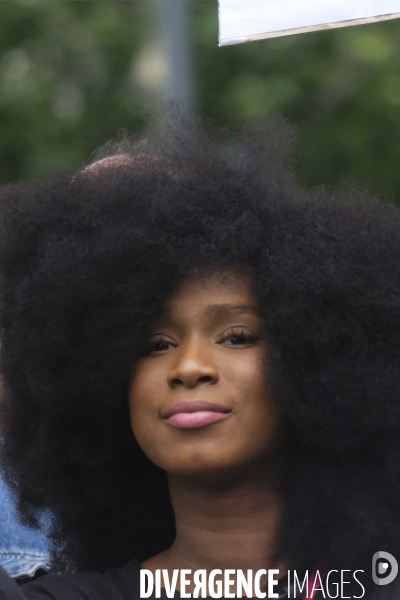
[
  {"x": 65, "y": 84},
  {"x": 69, "y": 78},
  {"x": 341, "y": 88}
]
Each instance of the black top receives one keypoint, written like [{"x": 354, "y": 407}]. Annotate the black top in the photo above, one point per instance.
[{"x": 115, "y": 584}]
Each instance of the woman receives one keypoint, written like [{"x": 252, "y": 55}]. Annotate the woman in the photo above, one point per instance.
[{"x": 201, "y": 371}]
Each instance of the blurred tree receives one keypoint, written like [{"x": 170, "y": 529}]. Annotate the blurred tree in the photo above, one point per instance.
[
  {"x": 66, "y": 82},
  {"x": 72, "y": 73},
  {"x": 341, "y": 88}
]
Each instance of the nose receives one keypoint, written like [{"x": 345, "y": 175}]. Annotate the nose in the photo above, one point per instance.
[{"x": 193, "y": 365}]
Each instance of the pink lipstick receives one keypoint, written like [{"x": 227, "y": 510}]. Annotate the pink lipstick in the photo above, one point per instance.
[{"x": 198, "y": 413}]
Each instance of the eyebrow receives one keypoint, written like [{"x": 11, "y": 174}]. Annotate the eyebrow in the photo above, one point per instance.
[{"x": 220, "y": 309}]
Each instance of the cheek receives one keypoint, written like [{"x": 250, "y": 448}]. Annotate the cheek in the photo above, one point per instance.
[
  {"x": 143, "y": 391},
  {"x": 260, "y": 415},
  {"x": 146, "y": 389},
  {"x": 247, "y": 377}
]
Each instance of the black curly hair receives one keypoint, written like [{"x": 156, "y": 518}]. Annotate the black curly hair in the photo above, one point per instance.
[{"x": 86, "y": 260}]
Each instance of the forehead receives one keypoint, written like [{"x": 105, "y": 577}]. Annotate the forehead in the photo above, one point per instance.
[{"x": 214, "y": 295}]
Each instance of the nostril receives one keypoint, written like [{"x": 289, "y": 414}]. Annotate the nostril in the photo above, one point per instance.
[
  {"x": 191, "y": 380},
  {"x": 205, "y": 378}
]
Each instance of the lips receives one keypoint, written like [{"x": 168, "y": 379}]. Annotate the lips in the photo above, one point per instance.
[{"x": 195, "y": 414}]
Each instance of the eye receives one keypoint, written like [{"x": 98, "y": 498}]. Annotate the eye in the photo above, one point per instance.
[
  {"x": 238, "y": 337},
  {"x": 159, "y": 345}
]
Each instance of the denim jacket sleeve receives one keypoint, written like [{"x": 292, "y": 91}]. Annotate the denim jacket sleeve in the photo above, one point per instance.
[{"x": 22, "y": 550}]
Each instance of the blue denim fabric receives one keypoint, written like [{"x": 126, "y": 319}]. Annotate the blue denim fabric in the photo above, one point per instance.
[{"x": 22, "y": 550}]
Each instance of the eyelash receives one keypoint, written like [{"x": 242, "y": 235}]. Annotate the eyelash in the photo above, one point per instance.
[
  {"x": 160, "y": 340},
  {"x": 248, "y": 339}
]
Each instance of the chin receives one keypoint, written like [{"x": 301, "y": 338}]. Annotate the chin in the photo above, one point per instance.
[{"x": 208, "y": 464}]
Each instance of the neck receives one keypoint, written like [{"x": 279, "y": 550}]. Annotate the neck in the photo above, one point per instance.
[{"x": 226, "y": 526}]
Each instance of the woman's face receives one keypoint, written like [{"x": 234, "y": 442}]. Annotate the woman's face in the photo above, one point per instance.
[{"x": 199, "y": 398}]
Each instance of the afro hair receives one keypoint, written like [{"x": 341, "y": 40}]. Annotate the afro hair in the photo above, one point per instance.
[{"x": 88, "y": 257}]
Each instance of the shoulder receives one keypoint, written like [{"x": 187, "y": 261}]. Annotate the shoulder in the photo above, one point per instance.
[{"x": 115, "y": 584}]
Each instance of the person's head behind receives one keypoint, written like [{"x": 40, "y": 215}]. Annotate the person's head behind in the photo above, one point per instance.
[{"x": 94, "y": 263}]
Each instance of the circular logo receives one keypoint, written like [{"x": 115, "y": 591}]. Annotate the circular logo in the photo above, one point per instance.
[{"x": 384, "y": 568}]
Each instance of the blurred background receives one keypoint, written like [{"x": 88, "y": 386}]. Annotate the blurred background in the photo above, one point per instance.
[{"x": 73, "y": 73}]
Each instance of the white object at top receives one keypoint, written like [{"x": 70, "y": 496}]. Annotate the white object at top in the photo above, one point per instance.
[{"x": 247, "y": 20}]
